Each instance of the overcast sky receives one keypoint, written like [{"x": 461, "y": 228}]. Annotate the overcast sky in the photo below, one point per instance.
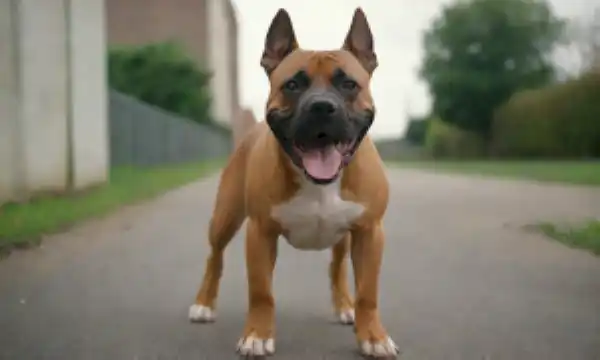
[{"x": 322, "y": 24}]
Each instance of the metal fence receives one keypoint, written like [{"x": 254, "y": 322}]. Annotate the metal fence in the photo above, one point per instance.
[{"x": 144, "y": 135}]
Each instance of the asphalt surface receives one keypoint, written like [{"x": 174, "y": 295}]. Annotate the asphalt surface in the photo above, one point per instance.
[{"x": 461, "y": 280}]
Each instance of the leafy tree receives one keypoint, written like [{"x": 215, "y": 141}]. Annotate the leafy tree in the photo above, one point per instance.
[
  {"x": 161, "y": 74},
  {"x": 479, "y": 52}
]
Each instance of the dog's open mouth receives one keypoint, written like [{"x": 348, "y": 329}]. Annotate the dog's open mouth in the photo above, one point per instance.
[{"x": 323, "y": 164}]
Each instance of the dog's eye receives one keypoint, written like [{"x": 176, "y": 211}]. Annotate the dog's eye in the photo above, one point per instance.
[
  {"x": 349, "y": 85},
  {"x": 291, "y": 85}
]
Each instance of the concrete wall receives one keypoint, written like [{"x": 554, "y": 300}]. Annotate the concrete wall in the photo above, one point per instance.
[
  {"x": 50, "y": 95},
  {"x": 42, "y": 89},
  {"x": 88, "y": 93},
  {"x": 219, "y": 55},
  {"x": 233, "y": 42},
  {"x": 9, "y": 100}
]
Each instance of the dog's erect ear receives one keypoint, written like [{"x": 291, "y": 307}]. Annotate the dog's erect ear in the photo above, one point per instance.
[
  {"x": 280, "y": 41},
  {"x": 359, "y": 41}
]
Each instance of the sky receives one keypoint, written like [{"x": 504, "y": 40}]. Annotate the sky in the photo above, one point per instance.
[{"x": 397, "y": 31}]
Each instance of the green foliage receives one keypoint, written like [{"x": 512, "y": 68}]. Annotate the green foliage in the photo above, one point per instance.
[
  {"x": 23, "y": 224},
  {"x": 417, "y": 130},
  {"x": 479, "y": 52},
  {"x": 582, "y": 236},
  {"x": 562, "y": 120},
  {"x": 447, "y": 141},
  {"x": 162, "y": 75}
]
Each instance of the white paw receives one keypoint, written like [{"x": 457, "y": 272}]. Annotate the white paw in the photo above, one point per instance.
[
  {"x": 346, "y": 316},
  {"x": 201, "y": 313},
  {"x": 382, "y": 349},
  {"x": 252, "y": 346}
]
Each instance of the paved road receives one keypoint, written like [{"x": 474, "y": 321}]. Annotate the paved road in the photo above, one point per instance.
[{"x": 461, "y": 280}]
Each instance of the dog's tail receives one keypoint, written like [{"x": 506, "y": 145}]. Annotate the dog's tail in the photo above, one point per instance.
[{"x": 245, "y": 122}]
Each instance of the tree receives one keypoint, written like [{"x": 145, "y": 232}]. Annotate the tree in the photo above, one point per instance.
[
  {"x": 163, "y": 75},
  {"x": 479, "y": 52}
]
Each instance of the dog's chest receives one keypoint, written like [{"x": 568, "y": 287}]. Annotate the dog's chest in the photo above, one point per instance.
[{"x": 317, "y": 217}]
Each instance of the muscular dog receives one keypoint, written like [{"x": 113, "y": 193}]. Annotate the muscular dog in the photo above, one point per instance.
[{"x": 311, "y": 174}]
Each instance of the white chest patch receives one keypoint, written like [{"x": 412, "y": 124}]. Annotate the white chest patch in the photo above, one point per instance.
[{"x": 316, "y": 218}]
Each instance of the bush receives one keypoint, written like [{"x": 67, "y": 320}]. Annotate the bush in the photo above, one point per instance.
[
  {"x": 162, "y": 75},
  {"x": 561, "y": 120},
  {"x": 416, "y": 130},
  {"x": 447, "y": 141}
]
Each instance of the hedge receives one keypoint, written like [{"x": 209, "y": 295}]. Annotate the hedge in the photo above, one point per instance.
[
  {"x": 559, "y": 121},
  {"x": 447, "y": 141},
  {"x": 163, "y": 75}
]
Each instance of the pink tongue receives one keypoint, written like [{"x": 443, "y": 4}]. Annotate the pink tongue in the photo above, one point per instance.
[{"x": 322, "y": 164}]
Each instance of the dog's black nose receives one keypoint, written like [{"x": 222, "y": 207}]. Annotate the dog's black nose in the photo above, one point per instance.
[{"x": 323, "y": 107}]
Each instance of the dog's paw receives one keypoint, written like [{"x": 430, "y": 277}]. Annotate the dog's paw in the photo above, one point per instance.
[
  {"x": 346, "y": 316},
  {"x": 202, "y": 314},
  {"x": 386, "y": 349},
  {"x": 252, "y": 346}
]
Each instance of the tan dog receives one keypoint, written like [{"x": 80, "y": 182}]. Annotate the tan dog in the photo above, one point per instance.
[{"x": 292, "y": 176}]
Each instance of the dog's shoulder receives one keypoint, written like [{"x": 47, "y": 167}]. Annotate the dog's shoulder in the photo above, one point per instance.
[
  {"x": 270, "y": 178},
  {"x": 365, "y": 180}
]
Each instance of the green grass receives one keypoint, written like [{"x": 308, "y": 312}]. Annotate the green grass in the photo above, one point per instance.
[
  {"x": 585, "y": 236},
  {"x": 23, "y": 224},
  {"x": 572, "y": 172}
]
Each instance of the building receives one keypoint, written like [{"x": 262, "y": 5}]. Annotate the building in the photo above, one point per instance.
[
  {"x": 53, "y": 128},
  {"x": 207, "y": 29}
]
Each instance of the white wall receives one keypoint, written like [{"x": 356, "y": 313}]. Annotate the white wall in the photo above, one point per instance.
[
  {"x": 43, "y": 93},
  {"x": 219, "y": 55},
  {"x": 89, "y": 126},
  {"x": 8, "y": 103},
  {"x": 43, "y": 99}
]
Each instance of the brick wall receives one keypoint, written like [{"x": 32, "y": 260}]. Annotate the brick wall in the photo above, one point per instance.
[{"x": 131, "y": 22}]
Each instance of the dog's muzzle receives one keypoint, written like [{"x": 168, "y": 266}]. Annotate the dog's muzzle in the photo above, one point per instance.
[{"x": 323, "y": 137}]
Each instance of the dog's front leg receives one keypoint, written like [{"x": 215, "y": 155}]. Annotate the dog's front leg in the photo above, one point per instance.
[
  {"x": 258, "y": 338},
  {"x": 367, "y": 251},
  {"x": 338, "y": 274}
]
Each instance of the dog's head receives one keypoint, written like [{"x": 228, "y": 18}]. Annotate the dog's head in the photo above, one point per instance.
[{"x": 320, "y": 105}]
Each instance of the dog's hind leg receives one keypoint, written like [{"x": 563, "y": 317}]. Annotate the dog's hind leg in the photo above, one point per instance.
[
  {"x": 338, "y": 275},
  {"x": 228, "y": 216}
]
